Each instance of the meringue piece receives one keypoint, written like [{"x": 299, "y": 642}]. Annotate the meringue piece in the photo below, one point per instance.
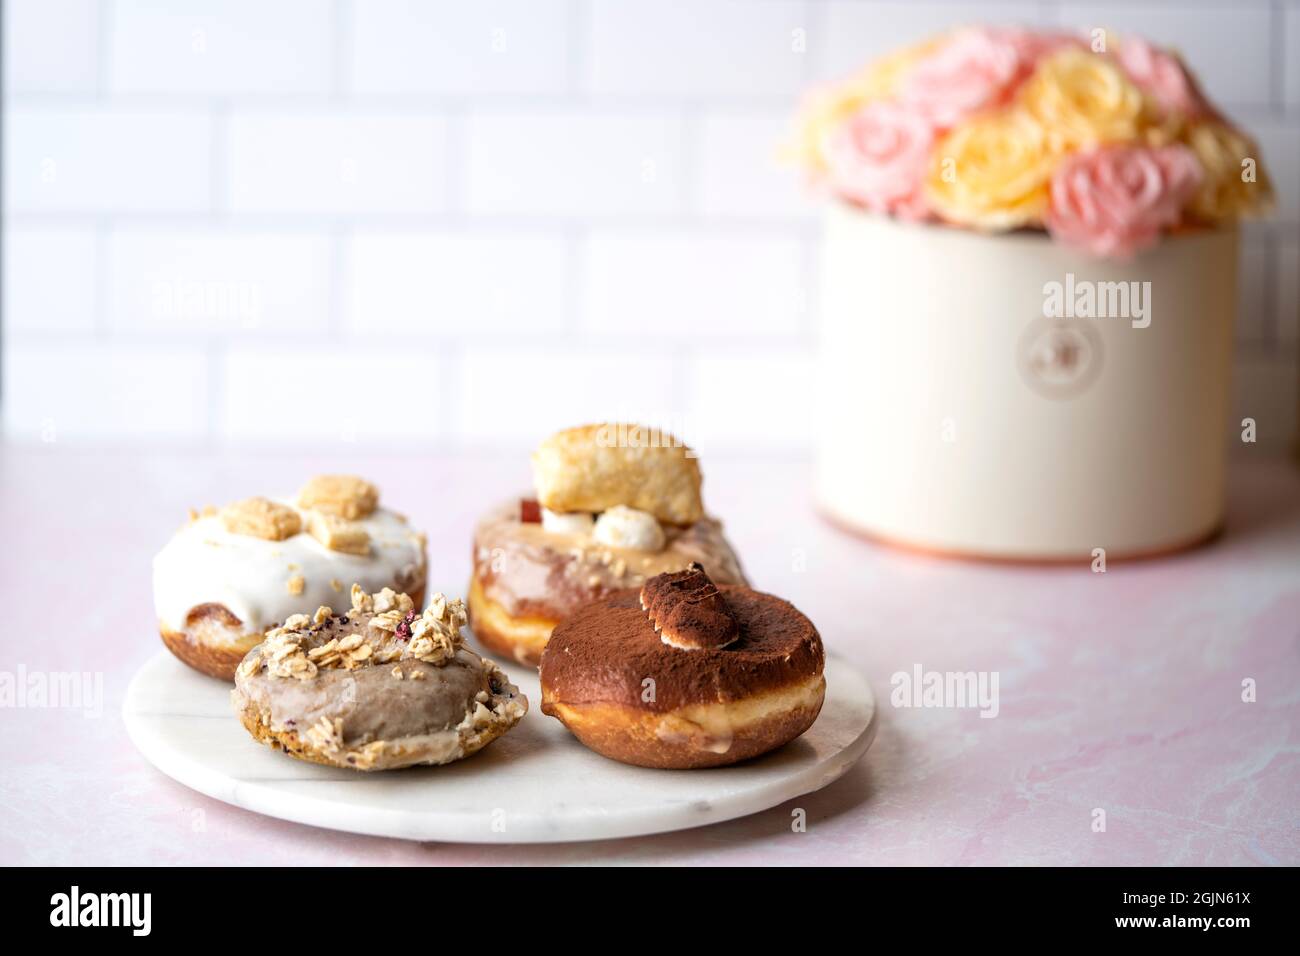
[
  {"x": 571, "y": 522},
  {"x": 624, "y": 527}
]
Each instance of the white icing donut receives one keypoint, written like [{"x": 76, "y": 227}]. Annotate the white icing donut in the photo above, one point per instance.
[{"x": 206, "y": 564}]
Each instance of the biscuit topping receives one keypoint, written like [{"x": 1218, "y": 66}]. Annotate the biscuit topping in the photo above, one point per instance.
[
  {"x": 688, "y": 611},
  {"x": 595, "y": 467},
  {"x": 346, "y": 496},
  {"x": 338, "y": 534},
  {"x": 261, "y": 518}
]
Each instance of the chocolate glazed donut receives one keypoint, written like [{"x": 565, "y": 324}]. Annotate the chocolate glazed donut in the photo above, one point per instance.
[{"x": 683, "y": 674}]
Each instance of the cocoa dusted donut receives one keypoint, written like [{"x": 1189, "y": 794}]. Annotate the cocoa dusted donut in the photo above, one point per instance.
[
  {"x": 683, "y": 674},
  {"x": 615, "y": 504},
  {"x": 229, "y": 575}
]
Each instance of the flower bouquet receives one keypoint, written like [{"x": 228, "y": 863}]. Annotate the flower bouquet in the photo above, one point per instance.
[{"x": 1027, "y": 295}]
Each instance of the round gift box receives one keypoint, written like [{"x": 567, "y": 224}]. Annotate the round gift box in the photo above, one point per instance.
[{"x": 962, "y": 413}]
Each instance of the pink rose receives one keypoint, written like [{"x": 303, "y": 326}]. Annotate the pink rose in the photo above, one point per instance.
[
  {"x": 1161, "y": 76},
  {"x": 976, "y": 68},
  {"x": 1114, "y": 200},
  {"x": 879, "y": 156}
]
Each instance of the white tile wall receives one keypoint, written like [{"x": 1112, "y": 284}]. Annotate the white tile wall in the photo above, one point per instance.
[
  {"x": 220, "y": 47},
  {"x": 566, "y": 163},
  {"x": 336, "y": 163},
  {"x": 452, "y": 285},
  {"x": 399, "y": 222},
  {"x": 61, "y": 159},
  {"x": 400, "y": 48},
  {"x": 190, "y": 281}
]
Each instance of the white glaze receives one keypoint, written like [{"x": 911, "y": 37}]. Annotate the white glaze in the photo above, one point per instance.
[{"x": 206, "y": 564}]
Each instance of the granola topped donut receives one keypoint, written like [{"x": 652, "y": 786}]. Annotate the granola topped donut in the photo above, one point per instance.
[
  {"x": 613, "y": 504},
  {"x": 229, "y": 574},
  {"x": 381, "y": 687}
]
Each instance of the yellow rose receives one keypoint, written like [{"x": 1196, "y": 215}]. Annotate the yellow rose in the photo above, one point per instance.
[
  {"x": 824, "y": 109},
  {"x": 992, "y": 173},
  {"x": 1082, "y": 99},
  {"x": 1235, "y": 182}
]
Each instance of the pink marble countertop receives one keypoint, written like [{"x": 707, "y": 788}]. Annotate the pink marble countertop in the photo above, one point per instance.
[{"x": 1119, "y": 691}]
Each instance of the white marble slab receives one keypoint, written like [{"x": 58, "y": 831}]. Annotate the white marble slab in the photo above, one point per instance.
[{"x": 536, "y": 784}]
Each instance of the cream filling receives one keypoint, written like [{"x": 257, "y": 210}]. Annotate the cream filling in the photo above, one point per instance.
[
  {"x": 713, "y": 727},
  {"x": 206, "y": 564}
]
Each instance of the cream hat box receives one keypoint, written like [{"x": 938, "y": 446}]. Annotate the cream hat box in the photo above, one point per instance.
[{"x": 1008, "y": 397}]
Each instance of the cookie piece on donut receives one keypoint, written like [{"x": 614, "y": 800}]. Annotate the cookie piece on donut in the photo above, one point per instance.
[
  {"x": 381, "y": 687},
  {"x": 593, "y": 468},
  {"x": 616, "y": 504},
  {"x": 740, "y": 675},
  {"x": 230, "y": 574}
]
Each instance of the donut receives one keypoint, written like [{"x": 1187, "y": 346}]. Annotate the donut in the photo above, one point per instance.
[
  {"x": 378, "y": 688},
  {"x": 683, "y": 673},
  {"x": 604, "y": 517},
  {"x": 228, "y": 575}
]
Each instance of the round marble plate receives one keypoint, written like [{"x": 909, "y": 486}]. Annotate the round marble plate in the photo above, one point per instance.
[{"x": 536, "y": 784}]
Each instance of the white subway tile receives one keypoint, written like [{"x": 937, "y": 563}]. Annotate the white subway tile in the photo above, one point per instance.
[
  {"x": 1291, "y": 58},
  {"x": 220, "y": 46},
  {"x": 452, "y": 47},
  {"x": 78, "y": 392},
  {"x": 753, "y": 401},
  {"x": 107, "y": 160},
  {"x": 49, "y": 279},
  {"x": 1227, "y": 45},
  {"x": 1286, "y": 270},
  {"x": 1280, "y": 144},
  {"x": 194, "y": 281},
  {"x": 519, "y": 396},
  {"x": 337, "y": 396},
  {"x": 51, "y": 46},
  {"x": 853, "y": 33},
  {"x": 741, "y": 169},
  {"x": 456, "y": 285},
  {"x": 334, "y": 163},
  {"x": 697, "y": 47},
  {"x": 681, "y": 285},
  {"x": 569, "y": 163}
]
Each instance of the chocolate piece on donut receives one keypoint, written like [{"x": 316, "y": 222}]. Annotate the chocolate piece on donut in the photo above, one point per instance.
[
  {"x": 615, "y": 504},
  {"x": 688, "y": 611},
  {"x": 379, "y": 688},
  {"x": 625, "y": 693},
  {"x": 229, "y": 574}
]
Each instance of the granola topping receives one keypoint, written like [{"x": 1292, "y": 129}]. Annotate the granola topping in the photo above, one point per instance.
[{"x": 383, "y": 628}]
